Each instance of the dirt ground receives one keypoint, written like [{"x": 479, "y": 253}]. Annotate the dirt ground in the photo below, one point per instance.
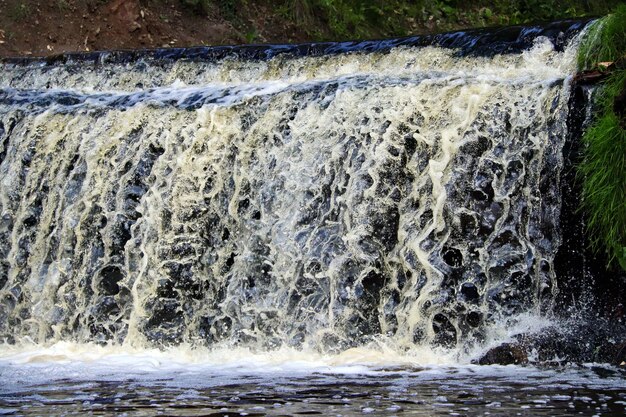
[{"x": 42, "y": 28}]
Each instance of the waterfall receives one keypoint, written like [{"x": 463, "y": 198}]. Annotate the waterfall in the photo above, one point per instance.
[{"x": 407, "y": 192}]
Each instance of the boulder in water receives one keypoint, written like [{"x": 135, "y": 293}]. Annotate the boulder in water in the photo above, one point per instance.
[{"x": 505, "y": 354}]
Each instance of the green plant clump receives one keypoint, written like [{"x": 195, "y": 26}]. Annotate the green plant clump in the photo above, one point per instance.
[
  {"x": 603, "y": 168},
  {"x": 356, "y": 19}
]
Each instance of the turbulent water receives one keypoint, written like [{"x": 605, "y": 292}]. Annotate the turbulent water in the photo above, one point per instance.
[{"x": 320, "y": 203}]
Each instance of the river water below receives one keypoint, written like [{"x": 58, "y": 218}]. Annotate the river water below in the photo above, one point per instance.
[{"x": 153, "y": 383}]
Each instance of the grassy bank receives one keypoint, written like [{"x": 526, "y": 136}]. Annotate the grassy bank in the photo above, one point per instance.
[
  {"x": 356, "y": 19},
  {"x": 603, "y": 169}
]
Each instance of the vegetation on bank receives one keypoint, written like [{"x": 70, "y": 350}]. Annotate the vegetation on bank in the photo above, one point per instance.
[
  {"x": 603, "y": 168},
  {"x": 357, "y": 19}
]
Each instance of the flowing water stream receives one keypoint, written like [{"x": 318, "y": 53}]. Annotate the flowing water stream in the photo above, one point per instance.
[{"x": 334, "y": 233}]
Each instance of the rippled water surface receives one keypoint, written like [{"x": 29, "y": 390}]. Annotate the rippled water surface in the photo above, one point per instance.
[{"x": 254, "y": 386}]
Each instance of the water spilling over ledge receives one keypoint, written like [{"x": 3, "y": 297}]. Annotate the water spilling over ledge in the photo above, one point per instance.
[{"x": 323, "y": 197}]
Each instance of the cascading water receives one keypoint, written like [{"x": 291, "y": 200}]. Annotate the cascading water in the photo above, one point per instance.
[
  {"x": 408, "y": 195},
  {"x": 331, "y": 229}
]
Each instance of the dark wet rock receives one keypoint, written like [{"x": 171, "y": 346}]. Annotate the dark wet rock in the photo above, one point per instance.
[
  {"x": 4, "y": 273},
  {"x": 445, "y": 332},
  {"x": 385, "y": 227},
  {"x": 5, "y": 135},
  {"x": 476, "y": 148},
  {"x": 506, "y": 241},
  {"x": 582, "y": 274},
  {"x": 166, "y": 323},
  {"x": 110, "y": 276},
  {"x": 165, "y": 313},
  {"x": 474, "y": 318},
  {"x": 468, "y": 224},
  {"x": 505, "y": 354},
  {"x": 620, "y": 354},
  {"x": 514, "y": 171},
  {"x": 106, "y": 307},
  {"x": 469, "y": 292},
  {"x": 215, "y": 329},
  {"x": 222, "y": 327},
  {"x": 165, "y": 288},
  {"x": 453, "y": 257},
  {"x": 578, "y": 341}
]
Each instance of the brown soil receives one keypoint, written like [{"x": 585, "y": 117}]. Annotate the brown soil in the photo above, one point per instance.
[{"x": 41, "y": 28}]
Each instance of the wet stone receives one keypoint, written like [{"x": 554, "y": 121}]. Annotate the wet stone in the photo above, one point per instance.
[
  {"x": 476, "y": 148},
  {"x": 105, "y": 307},
  {"x": 109, "y": 277},
  {"x": 120, "y": 235},
  {"x": 505, "y": 354},
  {"x": 514, "y": 171},
  {"x": 469, "y": 292},
  {"x": 520, "y": 279},
  {"x": 4, "y": 273},
  {"x": 165, "y": 323},
  {"x": 507, "y": 241},
  {"x": 385, "y": 227},
  {"x": 165, "y": 288},
  {"x": 228, "y": 263},
  {"x": 445, "y": 332},
  {"x": 479, "y": 195},
  {"x": 410, "y": 145},
  {"x": 468, "y": 223},
  {"x": 453, "y": 257},
  {"x": 473, "y": 318}
]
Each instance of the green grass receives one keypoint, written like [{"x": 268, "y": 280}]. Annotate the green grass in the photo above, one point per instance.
[
  {"x": 20, "y": 11},
  {"x": 605, "y": 41},
  {"x": 63, "y": 5},
  {"x": 362, "y": 19},
  {"x": 603, "y": 169}
]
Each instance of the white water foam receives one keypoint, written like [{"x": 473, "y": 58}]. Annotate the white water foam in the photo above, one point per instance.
[{"x": 385, "y": 208}]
